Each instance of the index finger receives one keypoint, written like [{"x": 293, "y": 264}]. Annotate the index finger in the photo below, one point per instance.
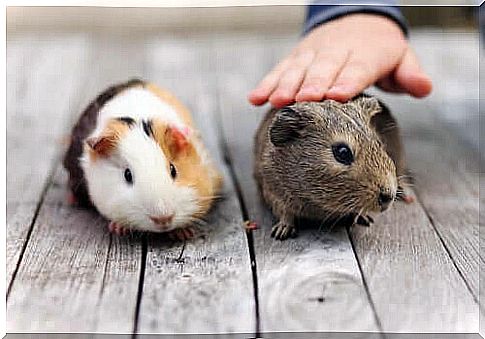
[{"x": 265, "y": 87}]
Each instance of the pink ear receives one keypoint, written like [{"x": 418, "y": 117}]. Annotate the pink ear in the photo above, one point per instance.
[
  {"x": 185, "y": 130},
  {"x": 177, "y": 140}
]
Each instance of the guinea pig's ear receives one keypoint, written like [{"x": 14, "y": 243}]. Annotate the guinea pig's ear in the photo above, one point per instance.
[
  {"x": 177, "y": 141},
  {"x": 369, "y": 106},
  {"x": 105, "y": 143},
  {"x": 287, "y": 126},
  {"x": 102, "y": 145}
]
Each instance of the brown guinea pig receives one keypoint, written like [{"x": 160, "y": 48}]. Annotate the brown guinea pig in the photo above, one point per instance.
[{"x": 326, "y": 160}]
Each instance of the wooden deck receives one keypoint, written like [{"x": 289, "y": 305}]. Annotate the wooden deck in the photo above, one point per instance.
[{"x": 415, "y": 270}]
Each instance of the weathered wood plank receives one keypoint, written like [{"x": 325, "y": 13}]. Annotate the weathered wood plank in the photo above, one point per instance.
[
  {"x": 313, "y": 282},
  {"x": 447, "y": 171},
  {"x": 119, "y": 59},
  {"x": 74, "y": 276},
  {"x": 412, "y": 280},
  {"x": 404, "y": 260},
  {"x": 203, "y": 285},
  {"x": 60, "y": 275},
  {"x": 447, "y": 184},
  {"x": 37, "y": 112}
]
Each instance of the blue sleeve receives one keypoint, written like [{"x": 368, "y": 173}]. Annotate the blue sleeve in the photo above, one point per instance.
[{"x": 319, "y": 13}]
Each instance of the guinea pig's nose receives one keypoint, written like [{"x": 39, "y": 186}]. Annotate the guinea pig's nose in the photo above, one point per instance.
[
  {"x": 385, "y": 199},
  {"x": 162, "y": 220}
]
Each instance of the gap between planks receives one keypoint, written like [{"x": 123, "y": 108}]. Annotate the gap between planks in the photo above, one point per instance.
[
  {"x": 24, "y": 186},
  {"x": 283, "y": 268},
  {"x": 206, "y": 287},
  {"x": 112, "y": 250},
  {"x": 249, "y": 232},
  {"x": 364, "y": 280},
  {"x": 114, "y": 253},
  {"x": 448, "y": 278}
]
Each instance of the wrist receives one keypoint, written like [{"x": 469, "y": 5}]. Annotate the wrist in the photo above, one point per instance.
[
  {"x": 364, "y": 21},
  {"x": 318, "y": 15}
]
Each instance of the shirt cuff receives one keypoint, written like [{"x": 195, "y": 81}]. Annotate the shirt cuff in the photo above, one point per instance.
[{"x": 320, "y": 14}]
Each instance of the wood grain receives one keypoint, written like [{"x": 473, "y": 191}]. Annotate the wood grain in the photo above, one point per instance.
[
  {"x": 74, "y": 276},
  {"x": 412, "y": 280},
  {"x": 441, "y": 139},
  {"x": 63, "y": 261},
  {"x": 311, "y": 283},
  {"x": 38, "y": 110},
  {"x": 447, "y": 184},
  {"x": 447, "y": 169},
  {"x": 203, "y": 285},
  {"x": 420, "y": 263},
  {"x": 416, "y": 255}
]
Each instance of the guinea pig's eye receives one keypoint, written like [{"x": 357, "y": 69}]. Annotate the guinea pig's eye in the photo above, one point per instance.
[
  {"x": 173, "y": 171},
  {"x": 128, "y": 176},
  {"x": 343, "y": 154}
]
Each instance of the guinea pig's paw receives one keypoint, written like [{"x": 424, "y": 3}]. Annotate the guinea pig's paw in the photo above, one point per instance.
[
  {"x": 403, "y": 195},
  {"x": 117, "y": 229},
  {"x": 182, "y": 234},
  {"x": 364, "y": 220},
  {"x": 282, "y": 231},
  {"x": 408, "y": 199}
]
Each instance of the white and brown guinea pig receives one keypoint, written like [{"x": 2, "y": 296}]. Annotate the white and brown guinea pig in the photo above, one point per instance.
[{"x": 136, "y": 156}]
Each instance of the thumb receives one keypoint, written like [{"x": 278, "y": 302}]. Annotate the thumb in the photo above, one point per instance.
[{"x": 410, "y": 77}]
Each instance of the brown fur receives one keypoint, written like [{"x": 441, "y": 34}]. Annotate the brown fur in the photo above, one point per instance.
[{"x": 297, "y": 173}]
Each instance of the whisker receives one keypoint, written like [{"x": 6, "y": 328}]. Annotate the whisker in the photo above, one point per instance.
[
  {"x": 389, "y": 127},
  {"x": 212, "y": 197},
  {"x": 358, "y": 215},
  {"x": 340, "y": 215},
  {"x": 328, "y": 216},
  {"x": 198, "y": 221}
]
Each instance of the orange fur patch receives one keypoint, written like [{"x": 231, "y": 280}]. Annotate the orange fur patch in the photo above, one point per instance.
[
  {"x": 181, "y": 152},
  {"x": 171, "y": 100},
  {"x": 103, "y": 145}
]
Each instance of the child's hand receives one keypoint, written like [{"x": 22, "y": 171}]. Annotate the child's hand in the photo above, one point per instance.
[{"x": 340, "y": 59}]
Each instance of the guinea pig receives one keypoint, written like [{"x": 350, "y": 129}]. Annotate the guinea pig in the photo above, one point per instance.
[
  {"x": 326, "y": 160},
  {"x": 136, "y": 156}
]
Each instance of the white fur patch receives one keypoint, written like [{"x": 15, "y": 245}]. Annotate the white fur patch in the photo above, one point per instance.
[
  {"x": 153, "y": 191},
  {"x": 137, "y": 103}
]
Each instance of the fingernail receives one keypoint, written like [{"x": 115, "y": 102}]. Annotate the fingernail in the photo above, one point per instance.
[
  {"x": 338, "y": 89},
  {"x": 256, "y": 97},
  {"x": 254, "y": 92},
  {"x": 309, "y": 93},
  {"x": 309, "y": 90},
  {"x": 281, "y": 95}
]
